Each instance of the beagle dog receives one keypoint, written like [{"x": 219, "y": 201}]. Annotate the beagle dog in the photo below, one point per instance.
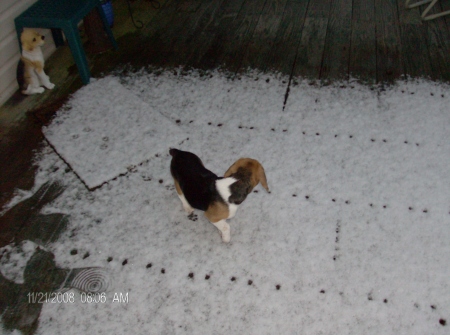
[{"x": 218, "y": 197}]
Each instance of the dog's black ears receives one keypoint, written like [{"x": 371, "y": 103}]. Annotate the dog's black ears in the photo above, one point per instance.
[{"x": 239, "y": 191}]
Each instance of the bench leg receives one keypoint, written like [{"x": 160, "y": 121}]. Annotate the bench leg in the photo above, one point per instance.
[
  {"x": 76, "y": 46},
  {"x": 57, "y": 37},
  {"x": 106, "y": 25}
]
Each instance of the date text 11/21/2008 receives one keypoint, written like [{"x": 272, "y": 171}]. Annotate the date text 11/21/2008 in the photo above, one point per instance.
[{"x": 70, "y": 297}]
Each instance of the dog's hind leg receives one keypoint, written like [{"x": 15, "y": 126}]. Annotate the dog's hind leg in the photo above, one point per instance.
[
  {"x": 32, "y": 82},
  {"x": 188, "y": 208}
]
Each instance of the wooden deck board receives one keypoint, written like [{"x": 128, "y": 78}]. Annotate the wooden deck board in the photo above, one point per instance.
[
  {"x": 194, "y": 16},
  {"x": 444, "y": 6},
  {"x": 207, "y": 30},
  {"x": 247, "y": 20},
  {"x": 162, "y": 30},
  {"x": 312, "y": 42},
  {"x": 217, "y": 36},
  {"x": 414, "y": 49},
  {"x": 388, "y": 42},
  {"x": 438, "y": 41},
  {"x": 439, "y": 48},
  {"x": 208, "y": 38},
  {"x": 263, "y": 38},
  {"x": 373, "y": 40},
  {"x": 363, "y": 60},
  {"x": 336, "y": 54},
  {"x": 283, "y": 51}
]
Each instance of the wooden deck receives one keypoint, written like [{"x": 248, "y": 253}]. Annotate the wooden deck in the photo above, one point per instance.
[{"x": 373, "y": 40}]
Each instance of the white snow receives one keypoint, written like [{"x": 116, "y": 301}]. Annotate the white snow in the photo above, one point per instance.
[
  {"x": 355, "y": 231},
  {"x": 127, "y": 131},
  {"x": 14, "y": 259}
]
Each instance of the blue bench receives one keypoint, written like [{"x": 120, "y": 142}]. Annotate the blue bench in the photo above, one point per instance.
[{"x": 64, "y": 15}]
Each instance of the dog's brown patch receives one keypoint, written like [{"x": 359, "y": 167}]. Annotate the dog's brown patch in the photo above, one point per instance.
[
  {"x": 33, "y": 64},
  {"x": 31, "y": 39},
  {"x": 257, "y": 173},
  {"x": 217, "y": 211}
]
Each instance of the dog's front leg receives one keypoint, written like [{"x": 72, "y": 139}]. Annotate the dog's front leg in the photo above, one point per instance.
[
  {"x": 224, "y": 228},
  {"x": 217, "y": 213}
]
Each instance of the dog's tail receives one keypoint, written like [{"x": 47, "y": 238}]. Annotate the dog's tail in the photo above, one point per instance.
[{"x": 173, "y": 152}]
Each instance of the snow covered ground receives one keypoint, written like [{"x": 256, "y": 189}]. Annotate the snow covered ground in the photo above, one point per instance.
[{"x": 354, "y": 237}]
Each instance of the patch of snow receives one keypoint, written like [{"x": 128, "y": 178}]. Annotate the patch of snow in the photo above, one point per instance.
[{"x": 353, "y": 239}]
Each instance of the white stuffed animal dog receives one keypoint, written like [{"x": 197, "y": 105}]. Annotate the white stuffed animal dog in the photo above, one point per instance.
[{"x": 33, "y": 63}]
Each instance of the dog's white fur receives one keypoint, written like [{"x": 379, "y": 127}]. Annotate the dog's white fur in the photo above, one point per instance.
[
  {"x": 225, "y": 230},
  {"x": 33, "y": 59},
  {"x": 188, "y": 208},
  {"x": 223, "y": 187}
]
